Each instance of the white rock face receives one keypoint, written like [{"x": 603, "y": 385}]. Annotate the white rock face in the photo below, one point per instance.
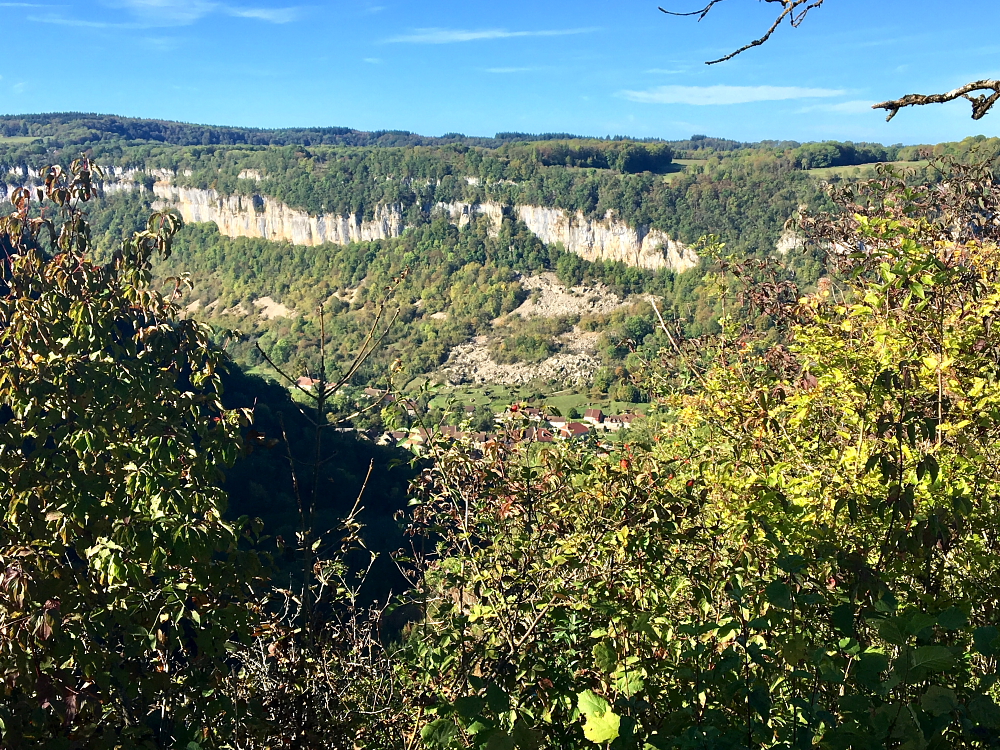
[
  {"x": 257, "y": 216},
  {"x": 607, "y": 239},
  {"x": 462, "y": 213},
  {"x": 550, "y": 299},
  {"x": 790, "y": 240},
  {"x": 471, "y": 363}
]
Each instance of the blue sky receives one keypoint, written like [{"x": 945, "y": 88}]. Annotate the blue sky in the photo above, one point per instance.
[{"x": 593, "y": 67}]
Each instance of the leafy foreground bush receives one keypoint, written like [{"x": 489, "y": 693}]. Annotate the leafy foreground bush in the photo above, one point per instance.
[
  {"x": 122, "y": 587},
  {"x": 805, "y": 557},
  {"x": 131, "y": 614}
]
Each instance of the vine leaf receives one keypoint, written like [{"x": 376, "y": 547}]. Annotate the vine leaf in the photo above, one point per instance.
[{"x": 602, "y": 725}]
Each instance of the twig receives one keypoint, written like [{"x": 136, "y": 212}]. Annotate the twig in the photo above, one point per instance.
[
  {"x": 980, "y": 104},
  {"x": 789, "y": 8}
]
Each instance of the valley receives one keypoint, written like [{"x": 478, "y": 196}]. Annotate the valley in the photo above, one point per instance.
[
  {"x": 333, "y": 438},
  {"x": 518, "y": 263}
]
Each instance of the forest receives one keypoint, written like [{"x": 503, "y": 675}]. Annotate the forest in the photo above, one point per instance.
[{"x": 793, "y": 549}]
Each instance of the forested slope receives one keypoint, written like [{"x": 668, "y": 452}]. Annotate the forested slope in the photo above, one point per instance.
[{"x": 460, "y": 276}]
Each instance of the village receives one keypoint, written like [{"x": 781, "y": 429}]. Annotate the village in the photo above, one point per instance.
[{"x": 517, "y": 423}]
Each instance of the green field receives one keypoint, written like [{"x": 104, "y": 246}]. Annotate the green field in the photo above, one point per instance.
[
  {"x": 681, "y": 166},
  {"x": 861, "y": 169},
  {"x": 17, "y": 140},
  {"x": 499, "y": 397}
]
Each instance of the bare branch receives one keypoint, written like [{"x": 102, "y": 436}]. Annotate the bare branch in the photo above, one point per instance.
[
  {"x": 980, "y": 104},
  {"x": 700, "y": 13},
  {"x": 789, "y": 8}
]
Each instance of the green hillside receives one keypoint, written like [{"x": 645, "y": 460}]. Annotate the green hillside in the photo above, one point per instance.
[{"x": 457, "y": 282}]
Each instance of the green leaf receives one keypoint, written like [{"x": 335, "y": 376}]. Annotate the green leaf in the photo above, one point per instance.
[
  {"x": 871, "y": 666},
  {"x": 779, "y": 594},
  {"x": 932, "y": 658},
  {"x": 497, "y": 699},
  {"x": 794, "y": 650},
  {"x": 987, "y": 640},
  {"x": 920, "y": 621},
  {"x": 858, "y": 704},
  {"x": 602, "y": 724},
  {"x": 938, "y": 701},
  {"x": 791, "y": 563},
  {"x": 524, "y": 737},
  {"x": 843, "y": 619},
  {"x": 439, "y": 733},
  {"x": 500, "y": 741},
  {"x": 605, "y": 656},
  {"x": 469, "y": 707},
  {"x": 890, "y": 632},
  {"x": 984, "y": 711},
  {"x": 952, "y": 619}
]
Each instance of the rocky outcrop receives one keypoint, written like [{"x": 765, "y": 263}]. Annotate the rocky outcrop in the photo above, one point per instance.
[
  {"x": 471, "y": 363},
  {"x": 789, "y": 241},
  {"x": 462, "y": 213},
  {"x": 257, "y": 216},
  {"x": 594, "y": 239},
  {"x": 607, "y": 238},
  {"x": 548, "y": 298}
]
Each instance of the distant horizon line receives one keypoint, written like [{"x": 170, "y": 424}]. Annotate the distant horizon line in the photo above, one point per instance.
[{"x": 499, "y": 135}]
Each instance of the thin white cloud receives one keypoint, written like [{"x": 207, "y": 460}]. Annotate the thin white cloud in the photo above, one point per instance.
[
  {"x": 713, "y": 95},
  {"x": 373, "y": 60},
  {"x": 665, "y": 71},
  {"x": 29, "y": 5},
  {"x": 161, "y": 43},
  {"x": 82, "y": 23},
  {"x": 855, "y": 107},
  {"x": 159, "y": 13},
  {"x": 271, "y": 15},
  {"x": 510, "y": 70},
  {"x": 451, "y": 36},
  {"x": 167, "y": 12}
]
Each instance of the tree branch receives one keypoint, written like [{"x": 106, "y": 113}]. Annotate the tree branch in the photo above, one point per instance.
[
  {"x": 980, "y": 104},
  {"x": 789, "y": 8},
  {"x": 796, "y": 10}
]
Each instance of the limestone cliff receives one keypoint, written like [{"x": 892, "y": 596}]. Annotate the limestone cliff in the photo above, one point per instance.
[
  {"x": 257, "y": 216},
  {"x": 593, "y": 239},
  {"x": 605, "y": 238}
]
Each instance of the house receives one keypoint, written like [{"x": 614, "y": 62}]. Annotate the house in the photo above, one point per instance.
[
  {"x": 416, "y": 438},
  {"x": 613, "y": 423},
  {"x": 557, "y": 422},
  {"x": 392, "y": 439},
  {"x": 538, "y": 435},
  {"x": 594, "y": 416},
  {"x": 375, "y": 393},
  {"x": 574, "y": 430},
  {"x": 620, "y": 421},
  {"x": 306, "y": 383}
]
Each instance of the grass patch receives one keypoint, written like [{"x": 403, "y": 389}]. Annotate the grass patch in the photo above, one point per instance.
[
  {"x": 860, "y": 170},
  {"x": 680, "y": 166},
  {"x": 17, "y": 140},
  {"x": 499, "y": 397}
]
